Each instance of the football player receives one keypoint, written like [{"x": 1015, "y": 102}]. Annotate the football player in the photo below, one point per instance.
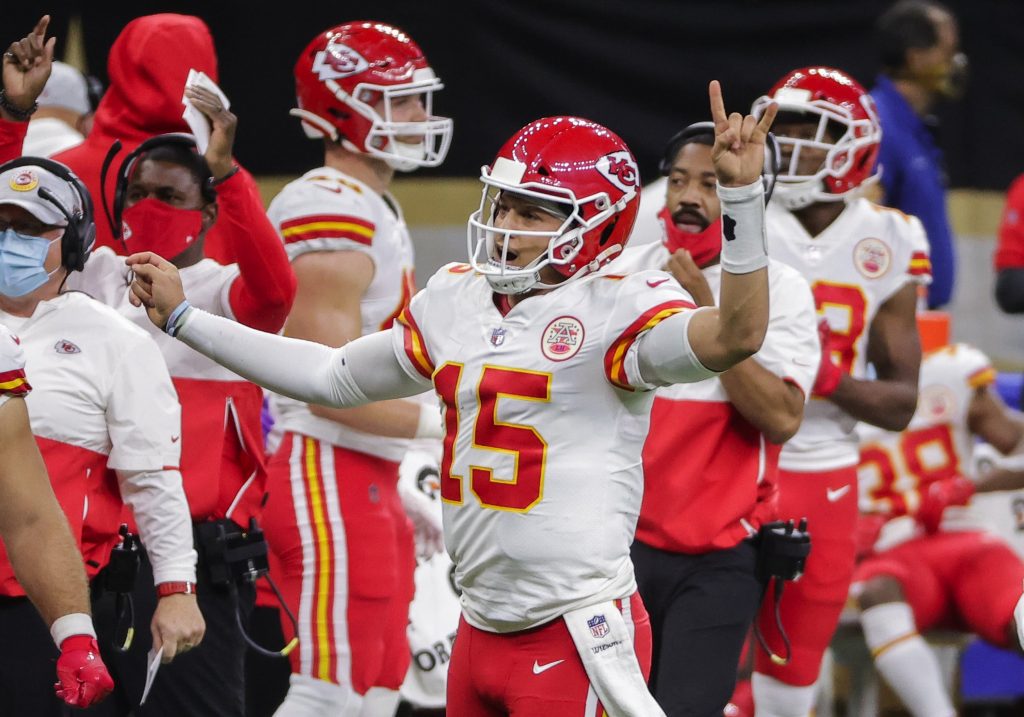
[
  {"x": 341, "y": 543},
  {"x": 865, "y": 265},
  {"x": 544, "y": 367},
  {"x": 931, "y": 562},
  {"x": 695, "y": 551}
]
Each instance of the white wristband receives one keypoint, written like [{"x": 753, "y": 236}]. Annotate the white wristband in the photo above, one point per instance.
[
  {"x": 75, "y": 623},
  {"x": 429, "y": 425},
  {"x": 744, "y": 242}
]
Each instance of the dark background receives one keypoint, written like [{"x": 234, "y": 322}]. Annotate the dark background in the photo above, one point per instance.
[{"x": 639, "y": 66}]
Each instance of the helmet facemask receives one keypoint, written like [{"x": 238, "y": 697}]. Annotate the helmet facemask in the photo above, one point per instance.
[
  {"x": 852, "y": 137},
  {"x": 488, "y": 246}
]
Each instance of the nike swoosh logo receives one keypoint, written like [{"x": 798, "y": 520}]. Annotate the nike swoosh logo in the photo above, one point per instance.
[
  {"x": 537, "y": 669},
  {"x": 174, "y": 439},
  {"x": 834, "y": 495},
  {"x": 655, "y": 282},
  {"x": 336, "y": 190}
]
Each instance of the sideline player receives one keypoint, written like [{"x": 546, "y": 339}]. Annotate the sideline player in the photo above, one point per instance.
[
  {"x": 695, "y": 551},
  {"x": 864, "y": 264},
  {"x": 933, "y": 561},
  {"x": 341, "y": 543},
  {"x": 545, "y": 368}
]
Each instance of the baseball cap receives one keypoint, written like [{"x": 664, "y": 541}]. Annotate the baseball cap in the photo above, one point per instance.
[
  {"x": 66, "y": 88},
  {"x": 20, "y": 187}
]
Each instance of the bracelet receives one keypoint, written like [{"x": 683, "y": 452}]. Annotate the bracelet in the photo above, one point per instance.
[
  {"x": 171, "y": 327},
  {"x": 226, "y": 177},
  {"x": 18, "y": 114},
  {"x": 175, "y": 588}
]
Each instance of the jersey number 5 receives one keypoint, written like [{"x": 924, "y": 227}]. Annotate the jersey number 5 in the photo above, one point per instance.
[{"x": 526, "y": 446}]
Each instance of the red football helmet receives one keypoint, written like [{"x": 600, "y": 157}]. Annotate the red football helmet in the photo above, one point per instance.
[
  {"x": 843, "y": 109},
  {"x": 345, "y": 73},
  {"x": 578, "y": 166}
]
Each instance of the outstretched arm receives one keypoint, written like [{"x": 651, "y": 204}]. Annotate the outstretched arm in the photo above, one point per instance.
[
  {"x": 362, "y": 371},
  {"x": 723, "y": 337}
]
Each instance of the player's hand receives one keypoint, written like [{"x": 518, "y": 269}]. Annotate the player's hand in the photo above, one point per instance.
[
  {"x": 940, "y": 495},
  {"x": 177, "y": 625},
  {"x": 684, "y": 269},
  {"x": 738, "y": 153},
  {"x": 156, "y": 285},
  {"x": 27, "y": 65},
  {"x": 222, "y": 136},
  {"x": 82, "y": 678},
  {"x": 426, "y": 523},
  {"x": 829, "y": 374}
]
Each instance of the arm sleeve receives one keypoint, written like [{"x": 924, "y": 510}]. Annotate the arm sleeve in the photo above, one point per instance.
[
  {"x": 12, "y": 137},
  {"x": 262, "y": 294},
  {"x": 663, "y": 354},
  {"x": 359, "y": 372},
  {"x": 157, "y": 500}
]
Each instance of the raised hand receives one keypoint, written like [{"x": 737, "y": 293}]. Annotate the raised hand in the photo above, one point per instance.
[
  {"x": 738, "y": 153},
  {"x": 27, "y": 65},
  {"x": 222, "y": 137}
]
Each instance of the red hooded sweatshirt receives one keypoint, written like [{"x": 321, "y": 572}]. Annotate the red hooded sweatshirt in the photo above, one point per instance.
[{"x": 147, "y": 67}]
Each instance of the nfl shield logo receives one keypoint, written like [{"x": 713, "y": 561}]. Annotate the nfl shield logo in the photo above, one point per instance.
[
  {"x": 497, "y": 337},
  {"x": 598, "y": 626}
]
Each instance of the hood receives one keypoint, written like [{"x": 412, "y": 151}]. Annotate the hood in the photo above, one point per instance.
[{"x": 147, "y": 67}]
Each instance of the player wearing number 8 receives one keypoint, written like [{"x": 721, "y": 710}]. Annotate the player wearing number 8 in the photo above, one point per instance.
[
  {"x": 545, "y": 368},
  {"x": 865, "y": 264}
]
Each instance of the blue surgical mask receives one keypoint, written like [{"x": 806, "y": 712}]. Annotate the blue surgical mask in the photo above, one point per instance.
[{"x": 22, "y": 260}]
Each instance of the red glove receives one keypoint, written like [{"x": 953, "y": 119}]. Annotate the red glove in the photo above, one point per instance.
[
  {"x": 938, "y": 496},
  {"x": 828, "y": 373},
  {"x": 82, "y": 678},
  {"x": 866, "y": 533}
]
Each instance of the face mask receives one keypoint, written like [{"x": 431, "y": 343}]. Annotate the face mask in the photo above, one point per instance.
[
  {"x": 704, "y": 246},
  {"x": 152, "y": 225},
  {"x": 22, "y": 260}
]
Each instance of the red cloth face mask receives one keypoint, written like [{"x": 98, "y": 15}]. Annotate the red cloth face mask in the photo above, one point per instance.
[
  {"x": 704, "y": 246},
  {"x": 152, "y": 225}
]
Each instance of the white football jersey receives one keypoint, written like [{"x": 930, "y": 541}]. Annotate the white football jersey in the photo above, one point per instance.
[
  {"x": 860, "y": 261},
  {"x": 545, "y": 418},
  {"x": 896, "y": 467},
  {"x": 327, "y": 210},
  {"x": 12, "y": 367}
]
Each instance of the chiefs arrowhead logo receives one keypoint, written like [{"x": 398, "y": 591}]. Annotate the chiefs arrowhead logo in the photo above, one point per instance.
[
  {"x": 620, "y": 169},
  {"x": 66, "y": 347},
  {"x": 338, "y": 61}
]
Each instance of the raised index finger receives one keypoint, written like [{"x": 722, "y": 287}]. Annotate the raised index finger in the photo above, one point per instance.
[
  {"x": 718, "y": 115},
  {"x": 40, "y": 28}
]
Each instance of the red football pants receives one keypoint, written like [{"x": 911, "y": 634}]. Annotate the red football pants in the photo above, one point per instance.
[
  {"x": 533, "y": 673},
  {"x": 342, "y": 553},
  {"x": 811, "y": 605},
  {"x": 969, "y": 581}
]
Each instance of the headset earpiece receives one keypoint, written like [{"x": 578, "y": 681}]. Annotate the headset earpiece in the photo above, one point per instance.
[{"x": 80, "y": 233}]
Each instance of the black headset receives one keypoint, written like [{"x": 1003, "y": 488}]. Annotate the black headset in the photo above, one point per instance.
[
  {"x": 80, "y": 233},
  {"x": 772, "y": 152},
  {"x": 128, "y": 165}
]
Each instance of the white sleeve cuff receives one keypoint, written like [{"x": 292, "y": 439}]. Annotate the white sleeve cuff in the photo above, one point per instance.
[
  {"x": 744, "y": 239},
  {"x": 74, "y": 623}
]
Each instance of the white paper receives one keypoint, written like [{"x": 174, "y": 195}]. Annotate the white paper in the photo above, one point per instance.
[
  {"x": 153, "y": 664},
  {"x": 195, "y": 119}
]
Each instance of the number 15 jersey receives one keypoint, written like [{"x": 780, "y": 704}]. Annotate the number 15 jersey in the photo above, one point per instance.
[{"x": 545, "y": 419}]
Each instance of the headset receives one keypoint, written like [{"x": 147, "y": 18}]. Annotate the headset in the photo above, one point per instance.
[
  {"x": 128, "y": 166},
  {"x": 772, "y": 153},
  {"x": 80, "y": 233}
]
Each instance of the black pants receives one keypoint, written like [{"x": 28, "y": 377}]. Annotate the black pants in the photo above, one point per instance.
[
  {"x": 701, "y": 607},
  {"x": 27, "y": 663},
  {"x": 207, "y": 680}
]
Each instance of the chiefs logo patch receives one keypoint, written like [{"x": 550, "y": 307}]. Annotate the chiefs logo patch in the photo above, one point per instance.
[
  {"x": 562, "y": 338},
  {"x": 338, "y": 61},
  {"x": 66, "y": 347},
  {"x": 620, "y": 169},
  {"x": 24, "y": 181},
  {"x": 872, "y": 257},
  {"x": 937, "y": 403}
]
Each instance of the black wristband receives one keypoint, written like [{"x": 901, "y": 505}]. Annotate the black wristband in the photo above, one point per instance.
[
  {"x": 19, "y": 115},
  {"x": 226, "y": 177}
]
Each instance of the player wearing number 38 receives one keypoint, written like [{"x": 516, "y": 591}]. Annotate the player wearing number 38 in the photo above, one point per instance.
[{"x": 545, "y": 369}]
